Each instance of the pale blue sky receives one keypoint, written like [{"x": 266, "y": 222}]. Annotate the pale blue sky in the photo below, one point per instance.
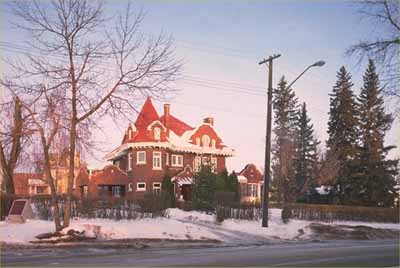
[{"x": 225, "y": 40}]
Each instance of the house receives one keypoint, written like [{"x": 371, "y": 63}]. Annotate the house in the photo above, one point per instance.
[
  {"x": 35, "y": 183},
  {"x": 155, "y": 146},
  {"x": 251, "y": 181}
]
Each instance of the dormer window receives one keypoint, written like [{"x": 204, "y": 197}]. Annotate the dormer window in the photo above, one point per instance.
[
  {"x": 157, "y": 133},
  {"x": 213, "y": 143},
  {"x": 205, "y": 140},
  {"x": 198, "y": 141},
  {"x": 130, "y": 133}
]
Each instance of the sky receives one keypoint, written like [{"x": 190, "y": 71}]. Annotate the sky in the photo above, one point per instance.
[{"x": 221, "y": 43}]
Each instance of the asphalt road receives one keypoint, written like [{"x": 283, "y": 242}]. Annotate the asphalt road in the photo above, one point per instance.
[{"x": 332, "y": 253}]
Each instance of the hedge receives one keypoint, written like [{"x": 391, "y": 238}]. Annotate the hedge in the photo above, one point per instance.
[{"x": 330, "y": 213}]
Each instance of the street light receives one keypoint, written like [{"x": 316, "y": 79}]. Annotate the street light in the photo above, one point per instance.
[{"x": 267, "y": 167}]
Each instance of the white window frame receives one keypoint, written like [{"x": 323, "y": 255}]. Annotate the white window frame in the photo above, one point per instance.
[
  {"x": 157, "y": 189},
  {"x": 130, "y": 161},
  {"x": 175, "y": 162},
  {"x": 157, "y": 133},
  {"x": 206, "y": 140},
  {"x": 141, "y": 189},
  {"x": 137, "y": 158},
  {"x": 214, "y": 164},
  {"x": 157, "y": 154},
  {"x": 130, "y": 187},
  {"x": 253, "y": 189},
  {"x": 197, "y": 163},
  {"x": 167, "y": 159}
]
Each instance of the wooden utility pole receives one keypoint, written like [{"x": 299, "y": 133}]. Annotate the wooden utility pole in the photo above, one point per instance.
[{"x": 267, "y": 166}]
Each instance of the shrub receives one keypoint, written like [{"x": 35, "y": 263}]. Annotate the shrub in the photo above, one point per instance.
[{"x": 329, "y": 213}]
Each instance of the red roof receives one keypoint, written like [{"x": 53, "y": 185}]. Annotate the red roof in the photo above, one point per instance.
[
  {"x": 147, "y": 115},
  {"x": 176, "y": 125}
]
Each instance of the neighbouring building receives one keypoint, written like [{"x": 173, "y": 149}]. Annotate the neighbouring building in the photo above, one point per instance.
[
  {"x": 35, "y": 183},
  {"x": 155, "y": 146},
  {"x": 251, "y": 181}
]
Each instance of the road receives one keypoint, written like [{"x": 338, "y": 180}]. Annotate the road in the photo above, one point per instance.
[{"x": 332, "y": 253}]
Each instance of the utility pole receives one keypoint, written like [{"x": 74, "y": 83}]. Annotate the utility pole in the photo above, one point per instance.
[{"x": 267, "y": 166}]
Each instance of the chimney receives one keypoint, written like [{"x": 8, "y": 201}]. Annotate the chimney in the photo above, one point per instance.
[
  {"x": 209, "y": 120},
  {"x": 166, "y": 116}
]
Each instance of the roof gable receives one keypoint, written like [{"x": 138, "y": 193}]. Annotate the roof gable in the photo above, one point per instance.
[
  {"x": 147, "y": 115},
  {"x": 176, "y": 125}
]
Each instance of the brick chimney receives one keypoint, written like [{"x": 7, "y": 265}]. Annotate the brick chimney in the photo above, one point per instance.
[
  {"x": 209, "y": 120},
  {"x": 166, "y": 115}
]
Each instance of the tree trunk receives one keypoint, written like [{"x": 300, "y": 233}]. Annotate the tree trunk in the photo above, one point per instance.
[{"x": 71, "y": 175}]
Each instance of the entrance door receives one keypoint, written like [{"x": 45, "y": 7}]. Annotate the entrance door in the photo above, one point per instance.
[{"x": 186, "y": 191}]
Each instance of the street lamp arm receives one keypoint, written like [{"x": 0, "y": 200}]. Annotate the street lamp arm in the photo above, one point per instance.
[{"x": 317, "y": 64}]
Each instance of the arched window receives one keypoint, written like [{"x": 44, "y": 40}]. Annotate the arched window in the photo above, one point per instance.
[
  {"x": 198, "y": 141},
  {"x": 213, "y": 143},
  {"x": 157, "y": 133},
  {"x": 205, "y": 140}
]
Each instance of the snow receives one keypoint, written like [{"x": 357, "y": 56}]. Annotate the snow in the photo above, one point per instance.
[
  {"x": 323, "y": 190},
  {"x": 182, "y": 225}
]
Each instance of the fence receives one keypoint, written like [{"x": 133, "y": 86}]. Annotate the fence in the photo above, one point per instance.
[
  {"x": 330, "y": 213},
  {"x": 106, "y": 208}
]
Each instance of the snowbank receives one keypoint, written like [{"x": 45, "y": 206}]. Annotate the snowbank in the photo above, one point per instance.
[{"x": 181, "y": 225}]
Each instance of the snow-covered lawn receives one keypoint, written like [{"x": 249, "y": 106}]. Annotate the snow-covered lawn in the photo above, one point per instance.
[{"x": 180, "y": 225}]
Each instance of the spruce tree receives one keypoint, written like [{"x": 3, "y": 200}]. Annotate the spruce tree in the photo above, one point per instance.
[
  {"x": 376, "y": 174},
  {"x": 285, "y": 110},
  {"x": 305, "y": 151},
  {"x": 342, "y": 142}
]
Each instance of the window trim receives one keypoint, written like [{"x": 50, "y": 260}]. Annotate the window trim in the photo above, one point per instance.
[
  {"x": 137, "y": 158},
  {"x": 140, "y": 189},
  {"x": 167, "y": 159},
  {"x": 129, "y": 161},
  {"x": 176, "y": 164},
  {"x": 130, "y": 187},
  {"x": 157, "y": 154}
]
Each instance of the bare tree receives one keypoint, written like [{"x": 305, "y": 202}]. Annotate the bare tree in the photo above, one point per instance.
[
  {"x": 13, "y": 135},
  {"x": 385, "y": 48},
  {"x": 104, "y": 62}
]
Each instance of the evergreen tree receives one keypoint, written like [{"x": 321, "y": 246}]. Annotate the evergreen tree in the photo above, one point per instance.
[
  {"x": 285, "y": 107},
  {"x": 376, "y": 174},
  {"x": 203, "y": 190},
  {"x": 168, "y": 191},
  {"x": 306, "y": 151},
  {"x": 342, "y": 129}
]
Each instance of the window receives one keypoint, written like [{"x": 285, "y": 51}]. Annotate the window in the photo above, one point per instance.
[
  {"x": 156, "y": 187},
  {"x": 141, "y": 186},
  {"x": 198, "y": 141},
  {"x": 243, "y": 189},
  {"x": 130, "y": 134},
  {"x": 213, "y": 143},
  {"x": 167, "y": 159},
  {"x": 157, "y": 133},
  {"x": 129, "y": 161},
  {"x": 252, "y": 189},
  {"x": 116, "y": 191},
  {"x": 213, "y": 164},
  {"x": 156, "y": 160},
  {"x": 205, "y": 161},
  {"x": 197, "y": 164},
  {"x": 205, "y": 140},
  {"x": 85, "y": 191},
  {"x": 130, "y": 187},
  {"x": 40, "y": 189},
  {"x": 117, "y": 163},
  {"x": 177, "y": 160},
  {"x": 141, "y": 158}
]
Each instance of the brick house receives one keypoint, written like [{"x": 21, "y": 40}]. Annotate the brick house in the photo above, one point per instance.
[
  {"x": 251, "y": 181},
  {"x": 155, "y": 146},
  {"x": 35, "y": 184}
]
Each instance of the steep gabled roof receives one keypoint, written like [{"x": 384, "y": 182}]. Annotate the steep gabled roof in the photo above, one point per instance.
[
  {"x": 147, "y": 115},
  {"x": 176, "y": 125}
]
